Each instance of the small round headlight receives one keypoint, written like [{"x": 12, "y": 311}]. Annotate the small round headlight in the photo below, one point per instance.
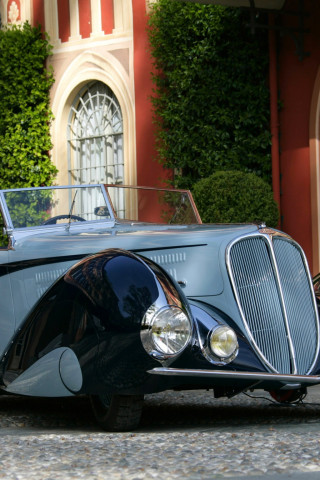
[
  {"x": 223, "y": 343},
  {"x": 166, "y": 331}
]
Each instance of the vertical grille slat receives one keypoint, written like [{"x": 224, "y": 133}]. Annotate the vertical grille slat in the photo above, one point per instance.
[{"x": 272, "y": 288}]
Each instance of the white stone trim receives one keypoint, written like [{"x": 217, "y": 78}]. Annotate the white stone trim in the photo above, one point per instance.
[
  {"x": 74, "y": 21},
  {"x": 86, "y": 67},
  {"x": 25, "y": 11},
  {"x": 51, "y": 20},
  {"x": 123, "y": 21},
  {"x": 96, "y": 30}
]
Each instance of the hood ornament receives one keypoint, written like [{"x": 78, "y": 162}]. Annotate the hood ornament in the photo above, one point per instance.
[{"x": 271, "y": 232}]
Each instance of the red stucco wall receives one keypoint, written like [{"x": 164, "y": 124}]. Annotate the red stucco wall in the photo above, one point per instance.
[
  {"x": 107, "y": 16},
  {"x": 64, "y": 20},
  {"x": 296, "y": 83},
  {"x": 38, "y": 12},
  {"x": 149, "y": 172},
  {"x": 85, "y": 18}
]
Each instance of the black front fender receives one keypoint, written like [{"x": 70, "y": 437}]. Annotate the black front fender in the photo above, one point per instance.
[{"x": 92, "y": 315}]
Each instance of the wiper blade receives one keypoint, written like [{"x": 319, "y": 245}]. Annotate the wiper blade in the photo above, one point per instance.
[{"x": 71, "y": 210}]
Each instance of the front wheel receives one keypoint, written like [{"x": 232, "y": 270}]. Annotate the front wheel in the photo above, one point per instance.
[{"x": 117, "y": 413}]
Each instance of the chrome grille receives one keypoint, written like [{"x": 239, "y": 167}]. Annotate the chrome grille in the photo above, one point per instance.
[{"x": 273, "y": 290}]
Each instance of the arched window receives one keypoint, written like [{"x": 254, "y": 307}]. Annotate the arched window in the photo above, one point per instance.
[{"x": 95, "y": 137}]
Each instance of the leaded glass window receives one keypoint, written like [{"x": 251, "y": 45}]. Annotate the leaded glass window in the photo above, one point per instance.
[{"x": 95, "y": 137}]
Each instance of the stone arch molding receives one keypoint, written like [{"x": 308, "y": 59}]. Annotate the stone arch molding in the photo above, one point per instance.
[
  {"x": 314, "y": 144},
  {"x": 87, "y": 67}
]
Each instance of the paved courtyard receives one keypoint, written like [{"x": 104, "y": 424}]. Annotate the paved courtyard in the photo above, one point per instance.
[{"x": 187, "y": 435}]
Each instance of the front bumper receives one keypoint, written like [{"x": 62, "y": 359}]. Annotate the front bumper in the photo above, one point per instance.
[{"x": 293, "y": 381}]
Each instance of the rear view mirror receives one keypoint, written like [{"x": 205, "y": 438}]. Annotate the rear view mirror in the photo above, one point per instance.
[{"x": 102, "y": 211}]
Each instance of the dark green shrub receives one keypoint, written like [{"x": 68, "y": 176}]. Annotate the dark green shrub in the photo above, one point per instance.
[
  {"x": 25, "y": 113},
  {"x": 211, "y": 97},
  {"x": 235, "y": 197}
]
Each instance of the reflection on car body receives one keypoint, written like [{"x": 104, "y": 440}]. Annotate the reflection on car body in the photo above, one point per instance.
[{"x": 116, "y": 292}]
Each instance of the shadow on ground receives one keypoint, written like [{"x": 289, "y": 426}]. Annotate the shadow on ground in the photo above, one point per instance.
[
  {"x": 194, "y": 410},
  {"x": 167, "y": 410}
]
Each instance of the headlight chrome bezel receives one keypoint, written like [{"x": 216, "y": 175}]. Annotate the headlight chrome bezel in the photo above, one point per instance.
[
  {"x": 214, "y": 352},
  {"x": 148, "y": 326}
]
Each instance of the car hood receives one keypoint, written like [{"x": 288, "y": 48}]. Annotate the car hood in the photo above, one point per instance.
[
  {"x": 193, "y": 255},
  {"x": 134, "y": 237}
]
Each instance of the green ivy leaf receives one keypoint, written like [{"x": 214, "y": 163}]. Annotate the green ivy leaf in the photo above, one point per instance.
[
  {"x": 211, "y": 98},
  {"x": 25, "y": 113}
]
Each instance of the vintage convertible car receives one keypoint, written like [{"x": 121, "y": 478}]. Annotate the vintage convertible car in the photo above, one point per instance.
[{"x": 116, "y": 292}]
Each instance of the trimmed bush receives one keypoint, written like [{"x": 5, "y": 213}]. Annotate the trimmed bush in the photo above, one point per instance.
[{"x": 235, "y": 197}]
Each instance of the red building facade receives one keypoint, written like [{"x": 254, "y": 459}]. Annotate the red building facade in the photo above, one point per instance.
[
  {"x": 103, "y": 127},
  {"x": 299, "y": 94},
  {"x": 294, "y": 80}
]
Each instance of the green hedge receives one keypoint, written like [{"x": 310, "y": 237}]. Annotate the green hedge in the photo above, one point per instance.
[
  {"x": 211, "y": 97},
  {"x": 25, "y": 113},
  {"x": 235, "y": 197}
]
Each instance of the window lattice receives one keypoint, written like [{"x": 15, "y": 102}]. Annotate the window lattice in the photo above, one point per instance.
[
  {"x": 95, "y": 141},
  {"x": 95, "y": 137}
]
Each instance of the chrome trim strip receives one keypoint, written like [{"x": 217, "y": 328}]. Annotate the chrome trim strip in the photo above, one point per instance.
[
  {"x": 283, "y": 306},
  {"x": 180, "y": 372},
  {"x": 53, "y": 187},
  {"x": 5, "y": 212}
]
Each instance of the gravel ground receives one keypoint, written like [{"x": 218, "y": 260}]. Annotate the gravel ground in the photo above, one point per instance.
[{"x": 188, "y": 434}]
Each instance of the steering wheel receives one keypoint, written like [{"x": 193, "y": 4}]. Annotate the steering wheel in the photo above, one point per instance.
[{"x": 53, "y": 220}]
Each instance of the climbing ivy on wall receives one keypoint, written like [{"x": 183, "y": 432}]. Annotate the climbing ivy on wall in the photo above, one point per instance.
[
  {"x": 25, "y": 113},
  {"x": 211, "y": 98}
]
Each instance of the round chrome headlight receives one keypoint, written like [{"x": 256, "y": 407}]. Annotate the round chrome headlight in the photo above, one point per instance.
[
  {"x": 165, "y": 332},
  {"x": 223, "y": 343}
]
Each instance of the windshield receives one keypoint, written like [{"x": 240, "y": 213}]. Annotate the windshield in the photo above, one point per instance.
[
  {"x": 153, "y": 205},
  {"x": 50, "y": 206},
  {"x": 38, "y": 207}
]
